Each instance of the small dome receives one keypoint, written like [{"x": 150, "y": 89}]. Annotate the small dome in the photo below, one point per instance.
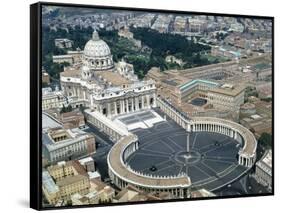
[{"x": 96, "y": 48}]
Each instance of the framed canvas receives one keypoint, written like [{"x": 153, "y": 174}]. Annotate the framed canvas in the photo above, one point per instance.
[{"x": 133, "y": 105}]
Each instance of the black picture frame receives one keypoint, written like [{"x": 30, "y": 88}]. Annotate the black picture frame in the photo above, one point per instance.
[{"x": 36, "y": 101}]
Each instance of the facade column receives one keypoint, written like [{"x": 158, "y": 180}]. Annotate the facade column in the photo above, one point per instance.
[
  {"x": 73, "y": 91},
  {"x": 142, "y": 102},
  {"x": 154, "y": 100},
  {"x": 84, "y": 95},
  {"x": 147, "y": 101},
  {"x": 108, "y": 109},
  {"x": 123, "y": 106},
  {"x": 100, "y": 108},
  {"x": 127, "y": 105},
  {"x": 132, "y": 104},
  {"x": 115, "y": 108},
  {"x": 120, "y": 107},
  {"x": 137, "y": 103}
]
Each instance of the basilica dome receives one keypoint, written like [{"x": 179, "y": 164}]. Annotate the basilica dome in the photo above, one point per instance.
[
  {"x": 96, "y": 47},
  {"x": 97, "y": 55}
]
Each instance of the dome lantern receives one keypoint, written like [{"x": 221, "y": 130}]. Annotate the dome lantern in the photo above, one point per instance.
[{"x": 95, "y": 36}]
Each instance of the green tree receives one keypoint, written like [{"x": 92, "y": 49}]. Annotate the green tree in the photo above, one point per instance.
[
  {"x": 69, "y": 203},
  {"x": 66, "y": 109},
  {"x": 265, "y": 140}
]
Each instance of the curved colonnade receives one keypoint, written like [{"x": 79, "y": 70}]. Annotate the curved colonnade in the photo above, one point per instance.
[
  {"x": 121, "y": 174},
  {"x": 247, "y": 154}
]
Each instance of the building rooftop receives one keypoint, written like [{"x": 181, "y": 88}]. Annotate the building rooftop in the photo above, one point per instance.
[
  {"x": 119, "y": 129},
  {"x": 49, "y": 183},
  {"x": 115, "y": 78},
  {"x": 70, "y": 180},
  {"x": 71, "y": 72},
  {"x": 59, "y": 165},
  {"x": 99, "y": 185},
  {"x": 266, "y": 162},
  {"x": 85, "y": 160},
  {"x": 267, "y": 158},
  {"x": 48, "y": 122},
  {"x": 72, "y": 136},
  {"x": 196, "y": 81},
  {"x": 93, "y": 175},
  {"x": 70, "y": 115},
  {"x": 230, "y": 91}
]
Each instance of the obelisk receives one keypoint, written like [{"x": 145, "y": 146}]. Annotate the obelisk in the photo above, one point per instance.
[{"x": 187, "y": 142}]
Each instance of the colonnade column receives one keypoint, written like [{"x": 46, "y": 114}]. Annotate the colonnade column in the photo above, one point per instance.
[
  {"x": 240, "y": 160},
  {"x": 245, "y": 161}
]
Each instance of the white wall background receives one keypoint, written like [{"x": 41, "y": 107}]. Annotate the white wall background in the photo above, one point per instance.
[{"x": 14, "y": 107}]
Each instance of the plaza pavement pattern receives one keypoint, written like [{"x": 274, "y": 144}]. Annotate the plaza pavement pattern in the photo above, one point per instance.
[{"x": 161, "y": 152}]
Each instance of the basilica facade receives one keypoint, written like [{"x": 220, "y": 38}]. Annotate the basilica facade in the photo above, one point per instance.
[{"x": 104, "y": 86}]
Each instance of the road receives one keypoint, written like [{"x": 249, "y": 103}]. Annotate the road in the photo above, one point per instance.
[{"x": 103, "y": 145}]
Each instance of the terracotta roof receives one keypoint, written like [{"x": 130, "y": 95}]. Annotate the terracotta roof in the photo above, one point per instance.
[
  {"x": 115, "y": 78},
  {"x": 70, "y": 180}
]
